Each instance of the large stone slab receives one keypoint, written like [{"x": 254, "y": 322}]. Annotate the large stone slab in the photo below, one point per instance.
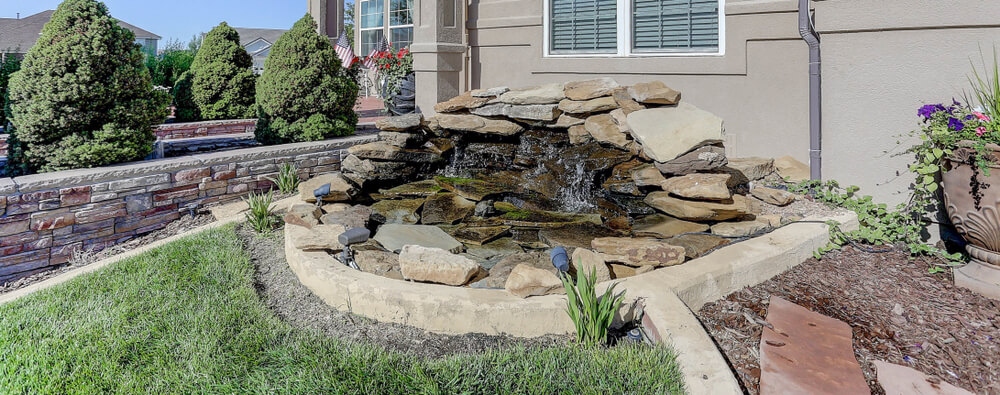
[
  {"x": 590, "y": 89},
  {"x": 739, "y": 229},
  {"x": 394, "y": 236},
  {"x": 400, "y": 123},
  {"x": 492, "y": 110},
  {"x": 479, "y": 235},
  {"x": 803, "y": 352},
  {"x": 435, "y": 265},
  {"x": 669, "y": 132},
  {"x": 696, "y": 246},
  {"x": 587, "y": 262},
  {"x": 351, "y": 217},
  {"x": 545, "y": 94},
  {"x": 418, "y": 188},
  {"x": 706, "y": 158},
  {"x": 525, "y": 281},
  {"x": 604, "y": 129},
  {"x": 665, "y": 226},
  {"x": 401, "y": 139},
  {"x": 382, "y": 263},
  {"x": 446, "y": 208},
  {"x": 477, "y": 124},
  {"x": 515, "y": 216},
  {"x": 647, "y": 175},
  {"x": 578, "y": 134},
  {"x": 377, "y": 170},
  {"x": 534, "y": 112},
  {"x": 472, "y": 188},
  {"x": 489, "y": 92},
  {"x": 640, "y": 252},
  {"x": 461, "y": 102},
  {"x": 655, "y": 92},
  {"x": 693, "y": 210},
  {"x": 902, "y": 380},
  {"x": 383, "y": 151},
  {"x": 625, "y": 101},
  {"x": 588, "y": 106},
  {"x": 319, "y": 237},
  {"x": 579, "y": 235},
  {"x": 700, "y": 186},
  {"x": 340, "y": 189},
  {"x": 568, "y": 120},
  {"x": 500, "y": 271},
  {"x": 401, "y": 211},
  {"x": 773, "y": 196}
]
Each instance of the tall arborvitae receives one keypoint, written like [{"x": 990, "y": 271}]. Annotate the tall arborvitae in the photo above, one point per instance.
[{"x": 223, "y": 83}]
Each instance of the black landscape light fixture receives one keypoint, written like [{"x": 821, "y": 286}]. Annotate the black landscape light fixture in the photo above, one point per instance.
[
  {"x": 320, "y": 192},
  {"x": 559, "y": 259},
  {"x": 347, "y": 239}
]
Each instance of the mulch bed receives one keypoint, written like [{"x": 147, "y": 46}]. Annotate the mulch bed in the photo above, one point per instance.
[{"x": 899, "y": 312}]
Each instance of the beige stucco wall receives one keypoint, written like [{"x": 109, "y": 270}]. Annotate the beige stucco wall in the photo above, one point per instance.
[
  {"x": 879, "y": 65},
  {"x": 759, "y": 86}
]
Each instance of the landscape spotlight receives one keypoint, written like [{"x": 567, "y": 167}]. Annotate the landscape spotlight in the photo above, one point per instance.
[
  {"x": 347, "y": 239},
  {"x": 320, "y": 192},
  {"x": 559, "y": 259}
]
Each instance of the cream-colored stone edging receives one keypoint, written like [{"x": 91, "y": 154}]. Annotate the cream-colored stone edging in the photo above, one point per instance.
[
  {"x": 236, "y": 210},
  {"x": 670, "y": 295}
]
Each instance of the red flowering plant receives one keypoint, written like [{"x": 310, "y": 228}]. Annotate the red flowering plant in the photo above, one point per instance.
[{"x": 393, "y": 68}]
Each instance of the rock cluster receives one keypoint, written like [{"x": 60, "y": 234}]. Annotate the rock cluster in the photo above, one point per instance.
[{"x": 629, "y": 178}]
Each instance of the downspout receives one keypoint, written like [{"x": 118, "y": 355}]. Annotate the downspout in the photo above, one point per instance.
[{"x": 808, "y": 32}]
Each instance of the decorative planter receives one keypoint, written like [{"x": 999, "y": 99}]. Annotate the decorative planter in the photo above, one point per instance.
[
  {"x": 972, "y": 201},
  {"x": 403, "y": 102}
]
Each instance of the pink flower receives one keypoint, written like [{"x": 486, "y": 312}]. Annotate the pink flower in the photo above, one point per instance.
[
  {"x": 981, "y": 116},
  {"x": 980, "y": 131}
]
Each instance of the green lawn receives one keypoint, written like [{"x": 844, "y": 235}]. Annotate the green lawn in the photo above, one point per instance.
[{"x": 185, "y": 318}]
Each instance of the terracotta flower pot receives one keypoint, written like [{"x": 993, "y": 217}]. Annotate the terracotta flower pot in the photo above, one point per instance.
[{"x": 972, "y": 201}]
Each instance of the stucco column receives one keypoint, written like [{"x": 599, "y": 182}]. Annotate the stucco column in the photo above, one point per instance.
[
  {"x": 438, "y": 51},
  {"x": 329, "y": 16}
]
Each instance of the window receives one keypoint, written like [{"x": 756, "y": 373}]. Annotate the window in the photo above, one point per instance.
[
  {"x": 633, "y": 27},
  {"x": 400, "y": 23},
  {"x": 372, "y": 13}
]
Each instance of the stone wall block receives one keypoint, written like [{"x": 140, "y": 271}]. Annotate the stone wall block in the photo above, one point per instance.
[
  {"x": 74, "y": 196},
  {"x": 191, "y": 176},
  {"x": 100, "y": 212},
  {"x": 130, "y": 183},
  {"x": 137, "y": 203},
  {"x": 52, "y": 220},
  {"x": 19, "y": 238}
]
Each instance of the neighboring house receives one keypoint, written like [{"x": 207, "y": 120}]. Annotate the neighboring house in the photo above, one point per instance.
[
  {"x": 19, "y": 35},
  {"x": 258, "y": 44},
  {"x": 744, "y": 60}
]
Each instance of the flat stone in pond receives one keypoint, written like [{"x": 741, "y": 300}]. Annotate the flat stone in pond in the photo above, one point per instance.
[
  {"x": 382, "y": 263},
  {"x": 807, "y": 353},
  {"x": 435, "y": 265},
  {"x": 497, "y": 248},
  {"x": 479, "y": 235},
  {"x": 401, "y": 211},
  {"x": 512, "y": 215},
  {"x": 414, "y": 189},
  {"x": 351, "y": 217},
  {"x": 472, "y": 189},
  {"x": 394, "y": 236},
  {"x": 446, "y": 208},
  {"x": 665, "y": 226}
]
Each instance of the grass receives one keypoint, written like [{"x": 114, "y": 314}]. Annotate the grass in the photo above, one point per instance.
[{"x": 185, "y": 318}]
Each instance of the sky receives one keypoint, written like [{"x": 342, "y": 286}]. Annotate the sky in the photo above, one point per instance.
[{"x": 182, "y": 19}]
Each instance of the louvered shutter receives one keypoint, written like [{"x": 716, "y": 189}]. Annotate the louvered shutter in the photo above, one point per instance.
[
  {"x": 584, "y": 26},
  {"x": 675, "y": 25}
]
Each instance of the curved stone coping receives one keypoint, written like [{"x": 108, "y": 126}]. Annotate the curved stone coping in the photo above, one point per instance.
[
  {"x": 69, "y": 178},
  {"x": 670, "y": 295}
]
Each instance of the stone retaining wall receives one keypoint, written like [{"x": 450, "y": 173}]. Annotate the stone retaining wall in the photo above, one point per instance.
[
  {"x": 44, "y": 218},
  {"x": 185, "y": 130}
]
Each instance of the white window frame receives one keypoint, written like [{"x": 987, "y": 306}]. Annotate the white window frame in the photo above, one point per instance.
[
  {"x": 624, "y": 36},
  {"x": 385, "y": 15},
  {"x": 390, "y": 26}
]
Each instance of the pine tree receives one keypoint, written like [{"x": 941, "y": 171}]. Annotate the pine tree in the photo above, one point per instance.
[
  {"x": 223, "y": 83},
  {"x": 83, "y": 97},
  {"x": 8, "y": 66},
  {"x": 304, "y": 94}
]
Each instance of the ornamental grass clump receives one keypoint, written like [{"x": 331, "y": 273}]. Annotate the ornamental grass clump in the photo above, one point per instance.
[
  {"x": 260, "y": 216},
  {"x": 591, "y": 315},
  {"x": 287, "y": 179},
  {"x": 83, "y": 97},
  {"x": 305, "y": 94}
]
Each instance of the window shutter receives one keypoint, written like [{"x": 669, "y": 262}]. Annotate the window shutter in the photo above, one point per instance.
[
  {"x": 584, "y": 26},
  {"x": 675, "y": 25}
]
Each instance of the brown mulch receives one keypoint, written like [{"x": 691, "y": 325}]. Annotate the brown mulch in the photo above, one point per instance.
[{"x": 900, "y": 313}]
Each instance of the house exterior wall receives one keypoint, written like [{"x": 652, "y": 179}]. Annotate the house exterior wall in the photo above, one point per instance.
[{"x": 880, "y": 62}]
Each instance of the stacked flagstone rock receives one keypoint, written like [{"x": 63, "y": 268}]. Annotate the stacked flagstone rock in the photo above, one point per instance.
[{"x": 483, "y": 187}]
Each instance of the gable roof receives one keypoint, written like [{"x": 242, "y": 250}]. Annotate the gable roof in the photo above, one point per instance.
[
  {"x": 21, "y": 34},
  {"x": 249, "y": 35}
]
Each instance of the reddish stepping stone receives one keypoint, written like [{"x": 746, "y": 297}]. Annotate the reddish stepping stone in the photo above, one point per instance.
[
  {"x": 901, "y": 380},
  {"x": 807, "y": 353}
]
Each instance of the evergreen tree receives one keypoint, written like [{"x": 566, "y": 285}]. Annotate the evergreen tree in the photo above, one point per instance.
[
  {"x": 223, "y": 83},
  {"x": 185, "y": 109},
  {"x": 304, "y": 94},
  {"x": 83, "y": 97},
  {"x": 8, "y": 66}
]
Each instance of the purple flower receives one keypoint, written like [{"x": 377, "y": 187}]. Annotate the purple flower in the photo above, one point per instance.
[
  {"x": 929, "y": 110},
  {"x": 955, "y": 124}
]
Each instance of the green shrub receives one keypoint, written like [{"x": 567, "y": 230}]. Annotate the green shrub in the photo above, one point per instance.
[
  {"x": 304, "y": 93},
  {"x": 185, "y": 110},
  {"x": 7, "y": 67},
  {"x": 223, "y": 83},
  {"x": 591, "y": 315},
  {"x": 167, "y": 67},
  {"x": 83, "y": 96}
]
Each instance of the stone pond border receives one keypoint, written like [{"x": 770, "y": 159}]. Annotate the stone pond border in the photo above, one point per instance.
[
  {"x": 45, "y": 217},
  {"x": 670, "y": 295}
]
